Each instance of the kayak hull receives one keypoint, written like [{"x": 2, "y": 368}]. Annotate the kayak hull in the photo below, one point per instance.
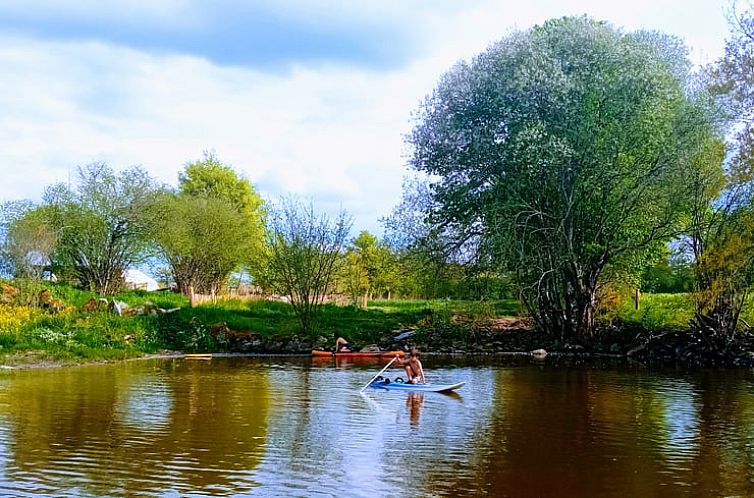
[
  {"x": 356, "y": 354},
  {"x": 400, "y": 386}
]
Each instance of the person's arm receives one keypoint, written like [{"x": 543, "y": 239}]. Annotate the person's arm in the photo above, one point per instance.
[{"x": 421, "y": 373}]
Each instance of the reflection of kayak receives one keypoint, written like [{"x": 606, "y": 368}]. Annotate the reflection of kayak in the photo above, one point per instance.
[
  {"x": 401, "y": 386},
  {"x": 356, "y": 354},
  {"x": 198, "y": 356}
]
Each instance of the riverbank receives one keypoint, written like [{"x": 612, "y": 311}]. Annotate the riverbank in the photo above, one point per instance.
[{"x": 87, "y": 329}]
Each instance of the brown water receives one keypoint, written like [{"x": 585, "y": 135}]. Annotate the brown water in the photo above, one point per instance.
[{"x": 287, "y": 427}]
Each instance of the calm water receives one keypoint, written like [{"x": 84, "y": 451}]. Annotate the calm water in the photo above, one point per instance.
[{"x": 293, "y": 427}]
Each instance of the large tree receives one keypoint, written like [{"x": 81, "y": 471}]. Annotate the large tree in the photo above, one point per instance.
[
  {"x": 372, "y": 259},
  {"x": 104, "y": 223},
  {"x": 27, "y": 243},
  {"x": 721, "y": 232},
  {"x": 561, "y": 151},
  {"x": 203, "y": 239},
  {"x": 212, "y": 226}
]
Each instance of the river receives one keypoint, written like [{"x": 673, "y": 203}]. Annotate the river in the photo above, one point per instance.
[{"x": 298, "y": 427}]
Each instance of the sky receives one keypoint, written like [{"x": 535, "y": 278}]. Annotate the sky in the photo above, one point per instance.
[{"x": 311, "y": 98}]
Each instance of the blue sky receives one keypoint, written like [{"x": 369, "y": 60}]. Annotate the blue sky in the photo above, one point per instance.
[{"x": 310, "y": 98}]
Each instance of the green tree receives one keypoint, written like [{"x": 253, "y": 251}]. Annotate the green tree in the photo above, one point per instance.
[
  {"x": 211, "y": 227},
  {"x": 28, "y": 243},
  {"x": 211, "y": 178},
  {"x": 304, "y": 247},
  {"x": 352, "y": 277},
  {"x": 203, "y": 239},
  {"x": 376, "y": 263},
  {"x": 561, "y": 151},
  {"x": 105, "y": 224},
  {"x": 734, "y": 75},
  {"x": 721, "y": 230}
]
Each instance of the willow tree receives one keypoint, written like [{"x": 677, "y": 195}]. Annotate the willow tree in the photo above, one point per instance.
[
  {"x": 561, "y": 151},
  {"x": 203, "y": 240}
]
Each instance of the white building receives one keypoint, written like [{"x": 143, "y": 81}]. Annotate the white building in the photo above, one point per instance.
[{"x": 137, "y": 279}]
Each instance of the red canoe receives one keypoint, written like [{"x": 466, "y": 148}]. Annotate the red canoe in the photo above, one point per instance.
[{"x": 356, "y": 354}]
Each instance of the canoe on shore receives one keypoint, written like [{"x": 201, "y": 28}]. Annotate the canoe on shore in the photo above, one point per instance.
[{"x": 317, "y": 353}]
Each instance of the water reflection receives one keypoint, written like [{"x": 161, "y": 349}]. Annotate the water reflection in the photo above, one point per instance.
[
  {"x": 414, "y": 402},
  {"x": 135, "y": 429},
  {"x": 292, "y": 427}
]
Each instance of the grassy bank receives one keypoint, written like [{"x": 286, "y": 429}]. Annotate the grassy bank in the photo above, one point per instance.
[
  {"x": 75, "y": 334},
  {"x": 32, "y": 335}
]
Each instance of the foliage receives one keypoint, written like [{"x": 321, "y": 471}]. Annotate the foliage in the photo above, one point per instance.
[
  {"x": 369, "y": 267},
  {"x": 721, "y": 229},
  {"x": 28, "y": 242},
  {"x": 304, "y": 247},
  {"x": 211, "y": 227},
  {"x": 734, "y": 78},
  {"x": 560, "y": 152},
  {"x": 668, "y": 275},
  {"x": 203, "y": 239},
  {"x": 211, "y": 178},
  {"x": 352, "y": 277},
  {"x": 725, "y": 275},
  {"x": 104, "y": 222}
]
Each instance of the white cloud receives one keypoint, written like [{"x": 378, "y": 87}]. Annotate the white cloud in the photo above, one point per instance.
[{"x": 330, "y": 132}]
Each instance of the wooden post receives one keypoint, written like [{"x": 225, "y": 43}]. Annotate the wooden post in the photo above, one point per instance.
[{"x": 637, "y": 297}]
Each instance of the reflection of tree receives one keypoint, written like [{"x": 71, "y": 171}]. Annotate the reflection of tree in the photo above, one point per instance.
[
  {"x": 725, "y": 461},
  {"x": 605, "y": 433},
  {"x": 552, "y": 436},
  {"x": 82, "y": 422},
  {"x": 521, "y": 439}
]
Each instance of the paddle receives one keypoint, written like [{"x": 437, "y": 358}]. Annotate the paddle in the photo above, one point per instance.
[{"x": 391, "y": 362}]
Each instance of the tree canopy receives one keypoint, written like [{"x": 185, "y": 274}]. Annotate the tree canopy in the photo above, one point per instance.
[
  {"x": 304, "y": 247},
  {"x": 560, "y": 151},
  {"x": 104, "y": 223}
]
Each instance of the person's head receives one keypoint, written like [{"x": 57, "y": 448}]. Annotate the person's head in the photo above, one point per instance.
[{"x": 414, "y": 353}]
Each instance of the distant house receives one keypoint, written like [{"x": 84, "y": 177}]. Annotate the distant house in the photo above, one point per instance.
[{"x": 137, "y": 279}]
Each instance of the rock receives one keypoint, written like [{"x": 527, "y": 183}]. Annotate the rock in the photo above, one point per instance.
[
  {"x": 91, "y": 305},
  {"x": 539, "y": 353},
  {"x": 46, "y": 302},
  {"x": 405, "y": 335},
  {"x": 637, "y": 349},
  {"x": 9, "y": 293}
]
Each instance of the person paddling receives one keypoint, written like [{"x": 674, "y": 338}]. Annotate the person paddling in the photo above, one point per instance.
[{"x": 413, "y": 368}]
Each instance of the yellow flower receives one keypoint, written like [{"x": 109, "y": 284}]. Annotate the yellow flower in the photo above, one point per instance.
[{"x": 12, "y": 317}]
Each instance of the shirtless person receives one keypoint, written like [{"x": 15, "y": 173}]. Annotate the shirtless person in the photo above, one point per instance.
[
  {"x": 342, "y": 346},
  {"x": 413, "y": 367}
]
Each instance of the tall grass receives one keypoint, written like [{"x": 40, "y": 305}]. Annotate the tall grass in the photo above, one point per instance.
[{"x": 657, "y": 311}]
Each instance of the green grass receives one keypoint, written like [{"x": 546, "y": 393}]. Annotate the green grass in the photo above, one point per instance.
[
  {"x": 76, "y": 335},
  {"x": 657, "y": 311}
]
